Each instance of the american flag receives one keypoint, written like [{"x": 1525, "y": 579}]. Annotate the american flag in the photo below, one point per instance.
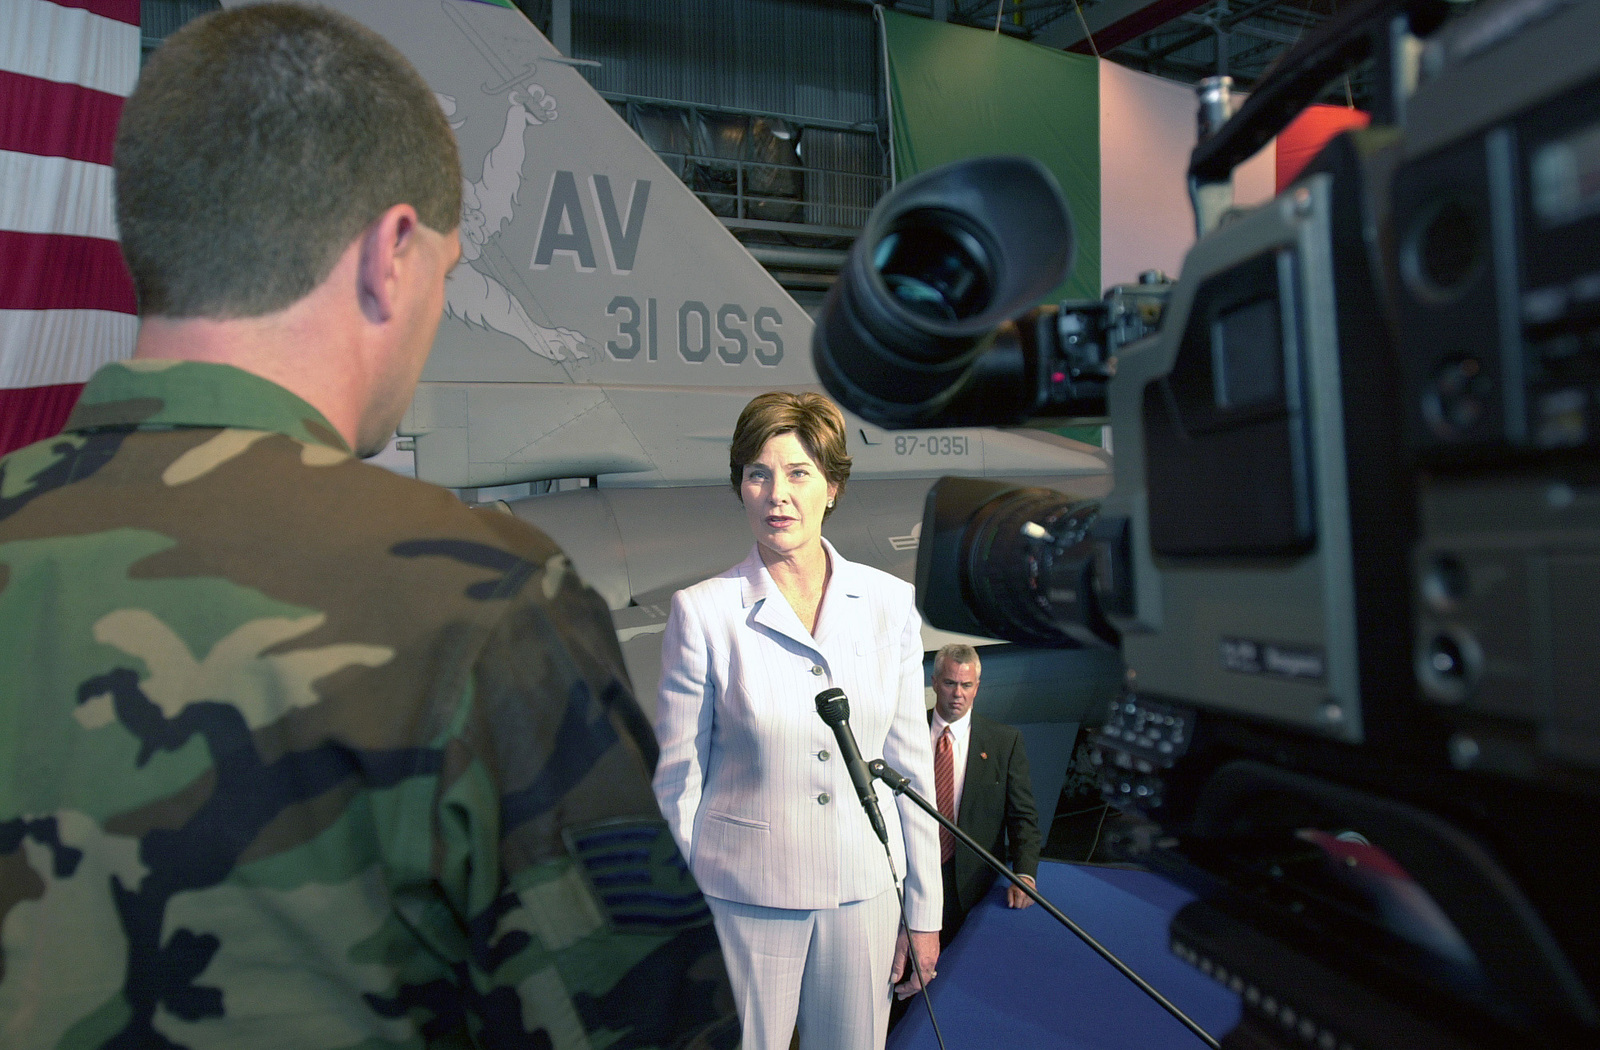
[{"x": 66, "y": 301}]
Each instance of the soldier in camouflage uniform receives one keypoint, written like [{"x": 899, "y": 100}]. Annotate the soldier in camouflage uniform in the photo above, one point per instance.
[{"x": 295, "y": 752}]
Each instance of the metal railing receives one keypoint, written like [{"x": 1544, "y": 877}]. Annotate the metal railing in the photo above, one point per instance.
[
  {"x": 828, "y": 192},
  {"x": 756, "y": 191}
]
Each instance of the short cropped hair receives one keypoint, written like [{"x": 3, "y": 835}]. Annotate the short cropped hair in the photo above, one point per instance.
[
  {"x": 958, "y": 653},
  {"x": 258, "y": 144},
  {"x": 815, "y": 422}
]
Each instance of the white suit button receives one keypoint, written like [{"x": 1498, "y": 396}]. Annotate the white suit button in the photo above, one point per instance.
[
  {"x": 816, "y": 670},
  {"x": 824, "y": 798},
  {"x": 823, "y": 756}
]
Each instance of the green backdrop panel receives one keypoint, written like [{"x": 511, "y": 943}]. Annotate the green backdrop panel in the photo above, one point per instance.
[{"x": 956, "y": 92}]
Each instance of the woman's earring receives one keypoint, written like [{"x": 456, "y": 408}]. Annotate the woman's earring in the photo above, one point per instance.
[{"x": 830, "y": 504}]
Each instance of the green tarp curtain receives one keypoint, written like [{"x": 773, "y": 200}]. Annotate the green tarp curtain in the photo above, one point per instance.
[{"x": 956, "y": 92}]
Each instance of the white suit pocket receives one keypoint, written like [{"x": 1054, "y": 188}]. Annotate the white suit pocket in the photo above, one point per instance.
[{"x": 741, "y": 822}]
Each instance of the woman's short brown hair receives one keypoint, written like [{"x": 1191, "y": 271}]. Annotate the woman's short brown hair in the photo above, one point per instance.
[{"x": 815, "y": 422}]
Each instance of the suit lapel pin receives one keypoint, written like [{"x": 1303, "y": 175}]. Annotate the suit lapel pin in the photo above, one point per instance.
[{"x": 983, "y": 754}]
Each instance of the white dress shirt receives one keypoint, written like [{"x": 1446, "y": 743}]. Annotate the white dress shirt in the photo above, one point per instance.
[{"x": 960, "y": 738}]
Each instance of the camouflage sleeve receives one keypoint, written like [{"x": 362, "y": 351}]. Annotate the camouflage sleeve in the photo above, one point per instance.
[{"x": 581, "y": 918}]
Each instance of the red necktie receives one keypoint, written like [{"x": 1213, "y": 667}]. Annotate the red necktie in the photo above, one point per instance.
[{"x": 944, "y": 786}]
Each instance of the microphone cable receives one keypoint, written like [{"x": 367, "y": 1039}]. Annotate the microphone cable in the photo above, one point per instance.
[
  {"x": 833, "y": 707},
  {"x": 911, "y": 947}
]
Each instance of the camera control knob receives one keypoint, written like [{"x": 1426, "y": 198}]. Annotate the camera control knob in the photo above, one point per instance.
[
  {"x": 1446, "y": 584},
  {"x": 1457, "y": 398},
  {"x": 1449, "y": 665}
]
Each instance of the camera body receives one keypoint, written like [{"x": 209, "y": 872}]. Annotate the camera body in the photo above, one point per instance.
[
  {"x": 1496, "y": 214},
  {"x": 1352, "y": 555},
  {"x": 1495, "y": 263},
  {"x": 1242, "y": 430}
]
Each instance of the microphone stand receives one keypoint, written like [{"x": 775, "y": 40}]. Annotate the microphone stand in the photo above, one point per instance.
[{"x": 901, "y": 786}]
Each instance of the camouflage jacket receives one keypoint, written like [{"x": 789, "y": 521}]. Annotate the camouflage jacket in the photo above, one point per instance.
[{"x": 296, "y": 752}]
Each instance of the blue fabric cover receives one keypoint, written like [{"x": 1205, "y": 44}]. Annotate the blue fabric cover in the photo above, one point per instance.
[{"x": 1019, "y": 979}]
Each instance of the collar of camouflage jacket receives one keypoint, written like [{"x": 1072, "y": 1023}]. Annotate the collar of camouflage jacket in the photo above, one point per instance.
[{"x": 161, "y": 395}]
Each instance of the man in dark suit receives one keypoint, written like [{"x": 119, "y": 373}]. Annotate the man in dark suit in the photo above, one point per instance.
[{"x": 981, "y": 776}]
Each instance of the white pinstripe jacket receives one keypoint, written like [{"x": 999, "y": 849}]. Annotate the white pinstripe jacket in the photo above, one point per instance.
[{"x": 750, "y": 780}]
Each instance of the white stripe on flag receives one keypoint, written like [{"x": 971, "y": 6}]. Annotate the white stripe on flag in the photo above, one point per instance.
[
  {"x": 56, "y": 195},
  {"x": 47, "y": 347},
  {"x": 68, "y": 45}
]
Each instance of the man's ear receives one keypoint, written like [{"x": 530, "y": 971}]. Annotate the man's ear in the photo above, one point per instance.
[{"x": 385, "y": 246}]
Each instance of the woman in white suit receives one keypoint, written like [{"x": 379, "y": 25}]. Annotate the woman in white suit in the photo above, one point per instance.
[{"x": 749, "y": 778}]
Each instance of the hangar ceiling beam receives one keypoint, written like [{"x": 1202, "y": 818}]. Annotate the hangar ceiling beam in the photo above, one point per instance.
[
  {"x": 1113, "y": 23},
  {"x": 1224, "y": 24},
  {"x": 1260, "y": 32}
]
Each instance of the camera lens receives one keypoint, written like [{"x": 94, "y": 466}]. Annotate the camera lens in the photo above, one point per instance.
[
  {"x": 1028, "y": 569},
  {"x": 1446, "y": 250},
  {"x": 934, "y": 268},
  {"x": 908, "y": 331}
]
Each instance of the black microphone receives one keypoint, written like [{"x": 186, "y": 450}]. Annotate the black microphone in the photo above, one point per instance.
[{"x": 835, "y": 710}]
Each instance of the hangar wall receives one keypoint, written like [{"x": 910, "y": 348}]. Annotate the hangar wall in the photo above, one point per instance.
[
  {"x": 772, "y": 56},
  {"x": 958, "y": 92},
  {"x": 1117, "y": 140},
  {"x": 822, "y": 63},
  {"x": 1147, "y": 131}
]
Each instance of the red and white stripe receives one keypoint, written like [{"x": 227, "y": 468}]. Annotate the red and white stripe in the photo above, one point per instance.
[{"x": 66, "y": 301}]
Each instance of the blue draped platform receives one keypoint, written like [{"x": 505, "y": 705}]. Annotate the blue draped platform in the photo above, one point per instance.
[{"x": 1018, "y": 978}]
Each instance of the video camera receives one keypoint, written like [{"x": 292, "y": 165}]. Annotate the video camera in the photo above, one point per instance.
[{"x": 1352, "y": 556}]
